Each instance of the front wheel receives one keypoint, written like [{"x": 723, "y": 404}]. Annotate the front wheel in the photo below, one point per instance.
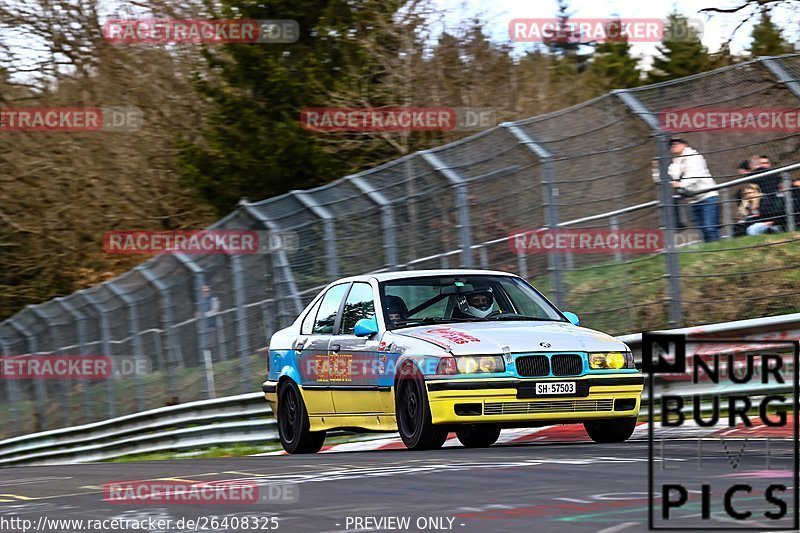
[
  {"x": 293, "y": 425},
  {"x": 478, "y": 436},
  {"x": 414, "y": 416},
  {"x": 608, "y": 431}
]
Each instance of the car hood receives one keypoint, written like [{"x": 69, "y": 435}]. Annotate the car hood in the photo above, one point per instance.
[{"x": 493, "y": 337}]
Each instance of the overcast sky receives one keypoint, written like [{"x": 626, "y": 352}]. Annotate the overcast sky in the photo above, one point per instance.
[{"x": 717, "y": 29}]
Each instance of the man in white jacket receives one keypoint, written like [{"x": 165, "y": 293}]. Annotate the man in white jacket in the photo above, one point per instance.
[{"x": 690, "y": 174}]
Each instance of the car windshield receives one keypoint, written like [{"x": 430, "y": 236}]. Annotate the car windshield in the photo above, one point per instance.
[{"x": 445, "y": 299}]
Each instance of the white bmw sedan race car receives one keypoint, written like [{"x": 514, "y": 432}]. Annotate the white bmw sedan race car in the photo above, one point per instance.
[{"x": 429, "y": 352}]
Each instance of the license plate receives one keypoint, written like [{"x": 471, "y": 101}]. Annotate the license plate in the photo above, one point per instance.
[{"x": 555, "y": 387}]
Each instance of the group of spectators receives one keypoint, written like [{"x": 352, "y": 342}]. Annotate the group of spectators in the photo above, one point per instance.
[{"x": 761, "y": 202}]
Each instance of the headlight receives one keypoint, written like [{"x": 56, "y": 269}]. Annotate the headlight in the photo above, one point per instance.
[
  {"x": 480, "y": 364},
  {"x": 611, "y": 360}
]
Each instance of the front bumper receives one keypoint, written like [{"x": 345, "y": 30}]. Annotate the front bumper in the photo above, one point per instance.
[
  {"x": 270, "y": 389},
  {"x": 512, "y": 401}
]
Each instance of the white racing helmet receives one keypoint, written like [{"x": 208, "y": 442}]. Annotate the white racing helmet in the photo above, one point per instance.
[{"x": 477, "y": 303}]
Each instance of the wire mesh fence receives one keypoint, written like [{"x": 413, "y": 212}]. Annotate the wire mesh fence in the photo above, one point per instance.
[{"x": 203, "y": 321}]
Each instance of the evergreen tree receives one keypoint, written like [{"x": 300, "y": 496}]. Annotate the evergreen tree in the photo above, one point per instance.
[
  {"x": 681, "y": 52},
  {"x": 768, "y": 38},
  {"x": 568, "y": 61},
  {"x": 724, "y": 57},
  {"x": 613, "y": 66},
  {"x": 254, "y": 145}
]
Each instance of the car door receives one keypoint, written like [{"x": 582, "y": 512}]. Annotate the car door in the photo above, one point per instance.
[
  {"x": 312, "y": 352},
  {"x": 356, "y": 360}
]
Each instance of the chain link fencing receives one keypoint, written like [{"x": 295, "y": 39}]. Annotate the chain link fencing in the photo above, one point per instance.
[{"x": 587, "y": 167}]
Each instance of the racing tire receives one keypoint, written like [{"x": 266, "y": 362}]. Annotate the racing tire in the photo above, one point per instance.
[
  {"x": 414, "y": 415},
  {"x": 293, "y": 425},
  {"x": 478, "y": 436},
  {"x": 610, "y": 431}
]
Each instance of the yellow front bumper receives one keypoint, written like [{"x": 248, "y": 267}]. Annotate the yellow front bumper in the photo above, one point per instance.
[{"x": 499, "y": 403}]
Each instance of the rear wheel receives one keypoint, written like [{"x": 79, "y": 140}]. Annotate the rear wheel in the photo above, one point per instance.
[
  {"x": 478, "y": 436},
  {"x": 293, "y": 425},
  {"x": 414, "y": 415},
  {"x": 608, "y": 431}
]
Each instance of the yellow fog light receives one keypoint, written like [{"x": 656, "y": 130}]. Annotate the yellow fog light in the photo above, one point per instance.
[
  {"x": 615, "y": 360},
  {"x": 467, "y": 365},
  {"x": 488, "y": 364},
  {"x": 480, "y": 364},
  {"x": 597, "y": 360}
]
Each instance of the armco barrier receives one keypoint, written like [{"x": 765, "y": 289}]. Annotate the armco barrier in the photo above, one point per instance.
[
  {"x": 783, "y": 327},
  {"x": 247, "y": 418},
  {"x": 241, "y": 418}
]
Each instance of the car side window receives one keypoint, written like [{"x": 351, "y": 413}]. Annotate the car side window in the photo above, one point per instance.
[
  {"x": 328, "y": 309},
  {"x": 360, "y": 304},
  {"x": 308, "y": 322}
]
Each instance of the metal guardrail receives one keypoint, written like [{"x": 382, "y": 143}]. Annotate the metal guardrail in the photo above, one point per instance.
[
  {"x": 232, "y": 419},
  {"x": 782, "y": 327},
  {"x": 247, "y": 418}
]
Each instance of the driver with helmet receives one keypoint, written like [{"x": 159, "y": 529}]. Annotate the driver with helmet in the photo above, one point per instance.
[{"x": 475, "y": 304}]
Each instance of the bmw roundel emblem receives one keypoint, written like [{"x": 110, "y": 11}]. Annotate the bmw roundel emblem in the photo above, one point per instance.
[{"x": 545, "y": 344}]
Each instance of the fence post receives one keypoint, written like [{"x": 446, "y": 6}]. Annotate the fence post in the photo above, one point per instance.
[
  {"x": 39, "y": 390},
  {"x": 242, "y": 337},
  {"x": 387, "y": 219},
  {"x": 727, "y": 215},
  {"x": 80, "y": 333},
  {"x": 549, "y": 193},
  {"x": 166, "y": 326},
  {"x": 522, "y": 264},
  {"x": 329, "y": 228},
  {"x": 11, "y": 391},
  {"x": 614, "y": 224},
  {"x": 136, "y": 341},
  {"x": 780, "y": 72},
  {"x": 461, "y": 203},
  {"x": 282, "y": 270},
  {"x": 198, "y": 276},
  {"x": 63, "y": 386},
  {"x": 105, "y": 331},
  {"x": 788, "y": 202},
  {"x": 666, "y": 201}
]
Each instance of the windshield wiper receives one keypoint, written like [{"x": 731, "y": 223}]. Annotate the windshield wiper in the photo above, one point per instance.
[
  {"x": 515, "y": 316},
  {"x": 433, "y": 320}
]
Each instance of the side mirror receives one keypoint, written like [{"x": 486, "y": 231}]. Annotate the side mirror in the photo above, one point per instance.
[
  {"x": 572, "y": 317},
  {"x": 366, "y": 327}
]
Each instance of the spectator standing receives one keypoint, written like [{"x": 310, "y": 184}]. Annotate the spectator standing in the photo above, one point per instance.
[
  {"x": 690, "y": 174},
  {"x": 675, "y": 198}
]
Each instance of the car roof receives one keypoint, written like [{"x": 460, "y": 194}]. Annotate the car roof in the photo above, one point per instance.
[{"x": 406, "y": 274}]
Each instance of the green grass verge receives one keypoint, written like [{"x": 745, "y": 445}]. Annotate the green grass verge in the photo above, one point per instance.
[{"x": 747, "y": 277}]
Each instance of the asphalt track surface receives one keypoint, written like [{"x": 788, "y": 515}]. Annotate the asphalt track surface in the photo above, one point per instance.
[{"x": 569, "y": 486}]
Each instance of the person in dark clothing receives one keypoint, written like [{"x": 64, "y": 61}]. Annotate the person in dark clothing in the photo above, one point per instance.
[
  {"x": 758, "y": 213},
  {"x": 395, "y": 309},
  {"x": 769, "y": 185},
  {"x": 744, "y": 167}
]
